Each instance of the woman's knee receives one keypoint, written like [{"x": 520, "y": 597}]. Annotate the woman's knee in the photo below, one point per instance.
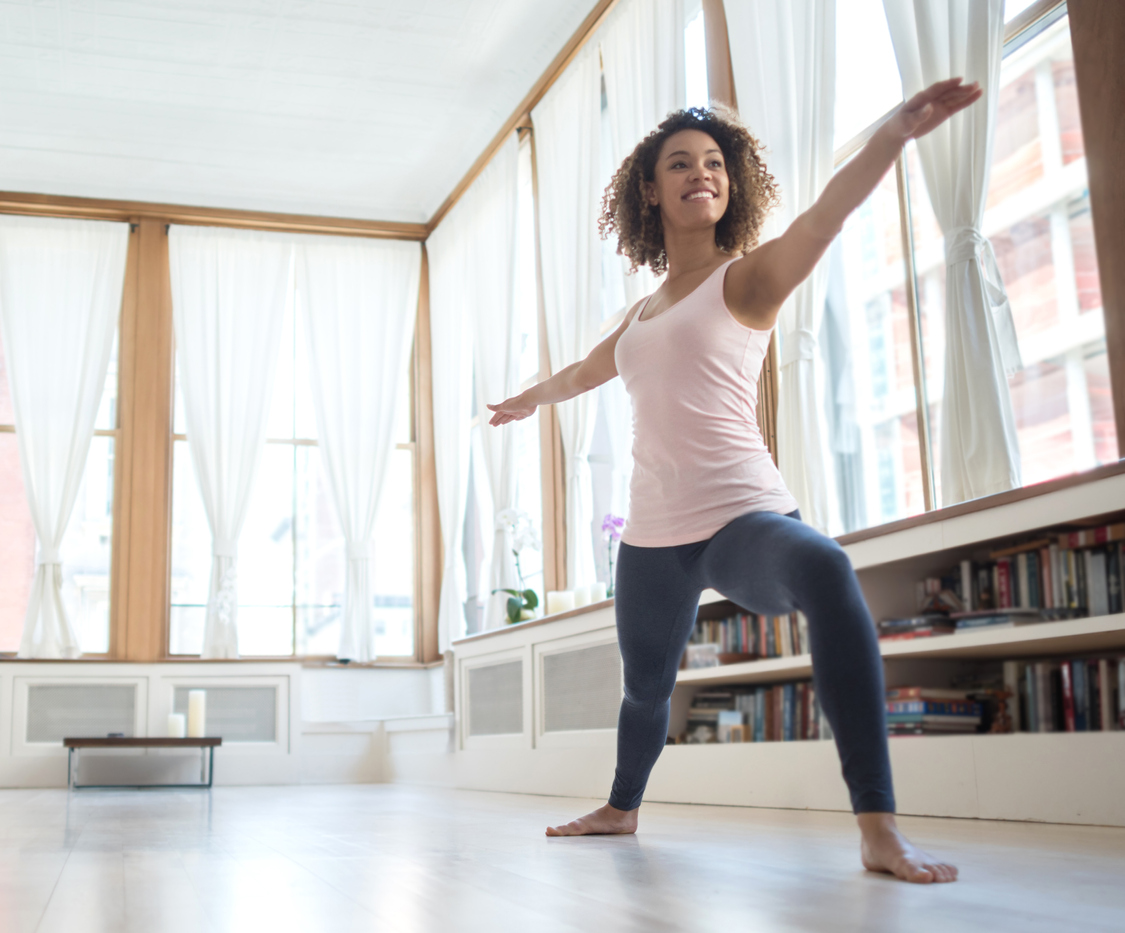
[{"x": 824, "y": 560}]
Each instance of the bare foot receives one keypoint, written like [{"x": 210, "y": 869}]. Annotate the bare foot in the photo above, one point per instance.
[
  {"x": 603, "y": 821},
  {"x": 885, "y": 849}
]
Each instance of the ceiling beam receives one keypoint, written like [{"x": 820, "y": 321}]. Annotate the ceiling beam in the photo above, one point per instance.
[
  {"x": 14, "y": 202},
  {"x": 522, "y": 114}
]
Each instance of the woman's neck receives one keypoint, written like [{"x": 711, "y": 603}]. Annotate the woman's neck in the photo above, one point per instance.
[{"x": 689, "y": 251}]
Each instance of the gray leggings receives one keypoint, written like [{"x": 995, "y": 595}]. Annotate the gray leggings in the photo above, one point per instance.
[{"x": 769, "y": 564}]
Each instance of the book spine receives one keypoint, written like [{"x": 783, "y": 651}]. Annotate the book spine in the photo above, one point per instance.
[
  {"x": 1093, "y": 697},
  {"x": 1113, "y": 577},
  {"x": 1058, "y": 578},
  {"x": 1097, "y": 581},
  {"x": 1046, "y": 579},
  {"x": 1044, "y": 711},
  {"x": 1121, "y": 693},
  {"x": 1105, "y": 696},
  {"x": 1012, "y": 686},
  {"x": 967, "y": 586},
  {"x": 1031, "y": 697},
  {"x": 1021, "y": 592},
  {"x": 1081, "y": 695},
  {"x": 1068, "y": 698},
  {"x": 984, "y": 588},
  {"x": 1033, "y": 583},
  {"x": 1082, "y": 565},
  {"x": 1071, "y": 580},
  {"x": 1004, "y": 589}
]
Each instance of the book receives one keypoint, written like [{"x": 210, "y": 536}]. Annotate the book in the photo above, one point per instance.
[
  {"x": 967, "y": 585},
  {"x": 1046, "y": 578},
  {"x": 1021, "y": 588},
  {"x": 1115, "y": 557},
  {"x": 728, "y": 718},
  {"x": 1097, "y": 583},
  {"x": 1011, "y": 674},
  {"x": 933, "y": 707},
  {"x": 919, "y": 633},
  {"x": 1004, "y": 572},
  {"x": 1043, "y": 707},
  {"x": 1090, "y": 537},
  {"x": 1068, "y": 697},
  {"x": 925, "y": 693},
  {"x": 1081, "y": 695},
  {"x": 984, "y": 592},
  {"x": 1105, "y": 696},
  {"x": 1058, "y": 587}
]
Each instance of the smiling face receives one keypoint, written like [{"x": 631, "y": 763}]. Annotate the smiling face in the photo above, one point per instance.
[{"x": 690, "y": 181}]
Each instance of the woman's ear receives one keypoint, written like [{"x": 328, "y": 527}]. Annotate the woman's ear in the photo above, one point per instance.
[{"x": 650, "y": 193}]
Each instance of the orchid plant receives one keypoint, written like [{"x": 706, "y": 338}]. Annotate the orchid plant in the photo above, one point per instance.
[
  {"x": 522, "y": 602},
  {"x": 611, "y": 532}
]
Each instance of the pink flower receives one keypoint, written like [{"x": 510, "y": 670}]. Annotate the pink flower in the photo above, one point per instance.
[{"x": 611, "y": 527}]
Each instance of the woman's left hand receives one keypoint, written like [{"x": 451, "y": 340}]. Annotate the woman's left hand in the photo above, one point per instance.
[{"x": 928, "y": 109}]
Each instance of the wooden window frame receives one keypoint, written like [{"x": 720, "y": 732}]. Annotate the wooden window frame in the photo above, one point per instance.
[{"x": 140, "y": 565}]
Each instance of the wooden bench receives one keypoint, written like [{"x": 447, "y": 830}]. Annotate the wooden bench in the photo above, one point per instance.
[{"x": 206, "y": 747}]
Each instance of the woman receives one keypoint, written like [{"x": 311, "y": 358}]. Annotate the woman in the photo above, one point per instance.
[{"x": 708, "y": 507}]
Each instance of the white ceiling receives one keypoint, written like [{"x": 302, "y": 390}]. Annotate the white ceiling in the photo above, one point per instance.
[{"x": 355, "y": 108}]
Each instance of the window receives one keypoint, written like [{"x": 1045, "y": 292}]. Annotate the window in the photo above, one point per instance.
[
  {"x": 525, "y": 434},
  {"x": 1038, "y": 219},
  {"x": 292, "y": 558},
  {"x": 86, "y": 548}
]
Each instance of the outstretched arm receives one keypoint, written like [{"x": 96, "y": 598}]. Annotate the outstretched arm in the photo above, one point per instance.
[
  {"x": 758, "y": 284},
  {"x": 598, "y": 368}
]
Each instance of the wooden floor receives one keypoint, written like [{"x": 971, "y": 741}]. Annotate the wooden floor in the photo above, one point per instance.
[{"x": 394, "y": 858}]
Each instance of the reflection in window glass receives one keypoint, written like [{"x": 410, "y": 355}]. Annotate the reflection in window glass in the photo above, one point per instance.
[{"x": 865, "y": 343}]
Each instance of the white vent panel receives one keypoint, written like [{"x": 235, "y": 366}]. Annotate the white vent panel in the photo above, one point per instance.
[
  {"x": 496, "y": 699},
  {"x": 582, "y": 689},
  {"x": 236, "y": 714},
  {"x": 59, "y": 711}
]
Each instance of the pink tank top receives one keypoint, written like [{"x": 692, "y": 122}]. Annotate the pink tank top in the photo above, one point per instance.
[{"x": 699, "y": 460}]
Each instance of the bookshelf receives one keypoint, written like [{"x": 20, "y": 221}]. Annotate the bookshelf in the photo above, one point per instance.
[
  {"x": 890, "y": 560},
  {"x": 1073, "y": 636}
]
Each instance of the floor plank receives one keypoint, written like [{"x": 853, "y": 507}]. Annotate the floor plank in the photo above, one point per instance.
[{"x": 415, "y": 860}]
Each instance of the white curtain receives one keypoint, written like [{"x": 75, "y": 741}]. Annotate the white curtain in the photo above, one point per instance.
[
  {"x": 490, "y": 222},
  {"x": 360, "y": 300},
  {"x": 451, "y": 345},
  {"x": 567, "y": 146},
  {"x": 229, "y": 289},
  {"x": 783, "y": 55},
  {"x": 936, "y": 39},
  {"x": 60, "y": 299},
  {"x": 642, "y": 44}
]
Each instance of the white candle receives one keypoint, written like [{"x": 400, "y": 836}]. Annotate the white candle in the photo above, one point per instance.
[
  {"x": 597, "y": 592},
  {"x": 559, "y": 601},
  {"x": 581, "y": 596},
  {"x": 177, "y": 725},
  {"x": 197, "y": 713}
]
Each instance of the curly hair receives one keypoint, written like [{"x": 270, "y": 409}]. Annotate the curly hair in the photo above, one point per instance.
[{"x": 753, "y": 192}]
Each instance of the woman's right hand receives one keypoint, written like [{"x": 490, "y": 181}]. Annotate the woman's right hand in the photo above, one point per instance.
[{"x": 514, "y": 409}]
